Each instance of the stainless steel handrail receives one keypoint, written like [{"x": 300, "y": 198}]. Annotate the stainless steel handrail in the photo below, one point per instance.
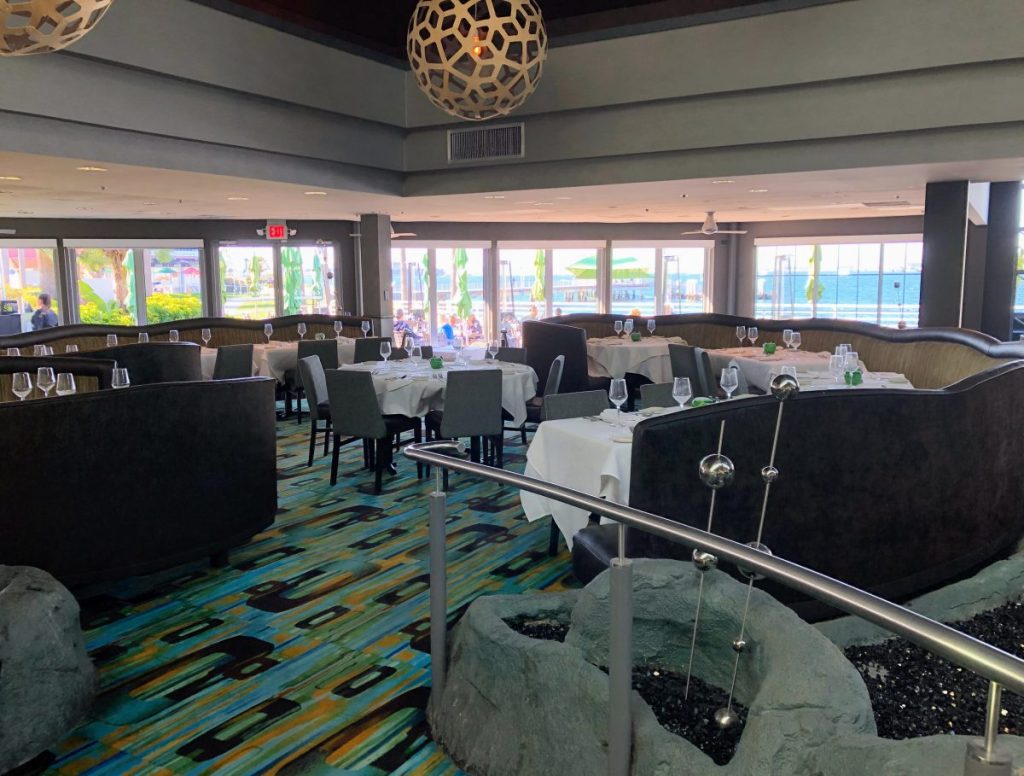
[{"x": 970, "y": 653}]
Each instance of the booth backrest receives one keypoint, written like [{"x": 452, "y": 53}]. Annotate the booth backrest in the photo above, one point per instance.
[
  {"x": 106, "y": 485},
  {"x": 154, "y": 362},
  {"x": 893, "y": 491},
  {"x": 930, "y": 358},
  {"x": 544, "y": 342}
]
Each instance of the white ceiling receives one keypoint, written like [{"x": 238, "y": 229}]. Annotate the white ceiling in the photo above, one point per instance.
[{"x": 52, "y": 187}]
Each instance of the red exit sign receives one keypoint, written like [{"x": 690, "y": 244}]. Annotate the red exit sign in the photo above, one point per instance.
[{"x": 278, "y": 231}]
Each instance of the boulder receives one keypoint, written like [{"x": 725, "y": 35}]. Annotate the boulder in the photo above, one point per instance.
[{"x": 47, "y": 681}]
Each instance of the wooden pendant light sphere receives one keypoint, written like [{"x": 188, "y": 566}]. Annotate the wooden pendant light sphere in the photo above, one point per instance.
[
  {"x": 477, "y": 59},
  {"x": 44, "y": 26}
]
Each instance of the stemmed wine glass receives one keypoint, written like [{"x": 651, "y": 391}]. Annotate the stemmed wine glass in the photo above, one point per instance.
[
  {"x": 617, "y": 395},
  {"x": 416, "y": 355},
  {"x": 13, "y": 351},
  {"x": 836, "y": 366},
  {"x": 385, "y": 351},
  {"x": 457, "y": 344},
  {"x": 410, "y": 343},
  {"x": 143, "y": 337},
  {"x": 173, "y": 336},
  {"x": 37, "y": 350},
  {"x": 627, "y": 327},
  {"x": 120, "y": 379},
  {"x": 681, "y": 390},
  {"x": 268, "y": 331},
  {"x": 71, "y": 348},
  {"x": 787, "y": 337},
  {"x": 21, "y": 385},
  {"x": 302, "y": 330},
  {"x": 729, "y": 381},
  {"x": 851, "y": 362},
  {"x": 206, "y": 335},
  {"x": 47, "y": 350},
  {"x": 338, "y": 326},
  {"x": 752, "y": 335},
  {"x": 111, "y": 340},
  {"x": 651, "y": 325},
  {"x": 45, "y": 380},
  {"x": 365, "y": 326},
  {"x": 741, "y": 334},
  {"x": 796, "y": 340},
  {"x": 618, "y": 328},
  {"x": 65, "y": 384},
  {"x": 492, "y": 349}
]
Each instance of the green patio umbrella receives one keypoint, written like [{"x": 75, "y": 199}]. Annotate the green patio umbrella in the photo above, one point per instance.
[
  {"x": 814, "y": 288},
  {"x": 539, "y": 266},
  {"x": 623, "y": 268},
  {"x": 461, "y": 300},
  {"x": 317, "y": 289},
  {"x": 291, "y": 272}
]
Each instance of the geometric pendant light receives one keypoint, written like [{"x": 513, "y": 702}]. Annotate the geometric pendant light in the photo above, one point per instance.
[{"x": 43, "y": 26}]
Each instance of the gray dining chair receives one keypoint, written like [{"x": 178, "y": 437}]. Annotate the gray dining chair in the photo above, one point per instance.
[
  {"x": 233, "y": 361},
  {"x": 368, "y": 349},
  {"x": 311, "y": 370},
  {"x": 560, "y": 406},
  {"x": 686, "y": 361},
  {"x": 658, "y": 395},
  {"x": 512, "y": 355},
  {"x": 326, "y": 350},
  {"x": 355, "y": 413},
  {"x": 472, "y": 408},
  {"x": 535, "y": 406}
]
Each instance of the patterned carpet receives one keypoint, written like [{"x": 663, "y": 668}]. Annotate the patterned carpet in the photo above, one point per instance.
[{"x": 308, "y": 654}]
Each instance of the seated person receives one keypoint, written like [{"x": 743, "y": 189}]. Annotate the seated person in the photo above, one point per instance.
[
  {"x": 401, "y": 328},
  {"x": 44, "y": 317},
  {"x": 446, "y": 331},
  {"x": 474, "y": 329}
]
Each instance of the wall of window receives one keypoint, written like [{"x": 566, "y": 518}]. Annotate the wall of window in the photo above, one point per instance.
[
  {"x": 106, "y": 286},
  {"x": 174, "y": 284},
  {"x": 876, "y": 282},
  {"x": 410, "y": 285},
  {"x": 247, "y": 283},
  {"x": 1018, "y": 297},
  {"x": 25, "y": 272}
]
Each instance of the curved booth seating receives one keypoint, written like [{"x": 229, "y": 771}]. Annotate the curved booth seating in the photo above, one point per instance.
[
  {"x": 91, "y": 374},
  {"x": 893, "y": 491},
  {"x": 224, "y": 331},
  {"x": 114, "y": 488},
  {"x": 154, "y": 362},
  {"x": 545, "y": 341},
  {"x": 930, "y": 358}
]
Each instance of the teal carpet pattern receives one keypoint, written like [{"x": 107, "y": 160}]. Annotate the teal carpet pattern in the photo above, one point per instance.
[{"x": 309, "y": 653}]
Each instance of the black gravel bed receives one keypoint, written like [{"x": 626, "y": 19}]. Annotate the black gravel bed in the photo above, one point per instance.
[
  {"x": 543, "y": 628},
  {"x": 914, "y": 693}
]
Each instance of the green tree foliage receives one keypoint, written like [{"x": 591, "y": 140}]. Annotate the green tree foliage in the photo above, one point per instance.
[
  {"x": 538, "y": 292},
  {"x": 815, "y": 288},
  {"x": 461, "y": 299}
]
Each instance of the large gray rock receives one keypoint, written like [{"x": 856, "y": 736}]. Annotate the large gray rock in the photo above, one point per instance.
[
  {"x": 47, "y": 682},
  {"x": 515, "y": 705}
]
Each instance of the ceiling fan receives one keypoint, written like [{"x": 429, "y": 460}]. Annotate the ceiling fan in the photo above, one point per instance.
[
  {"x": 394, "y": 234},
  {"x": 710, "y": 227}
]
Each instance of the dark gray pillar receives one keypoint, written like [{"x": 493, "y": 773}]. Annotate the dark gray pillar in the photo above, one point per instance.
[
  {"x": 1001, "y": 259},
  {"x": 375, "y": 269},
  {"x": 212, "y": 303},
  {"x": 945, "y": 253},
  {"x": 974, "y": 276}
]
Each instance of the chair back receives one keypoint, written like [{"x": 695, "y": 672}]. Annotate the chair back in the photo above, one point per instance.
[
  {"x": 472, "y": 405},
  {"x": 543, "y": 341},
  {"x": 512, "y": 355},
  {"x": 353, "y": 402},
  {"x": 311, "y": 373},
  {"x": 658, "y": 394},
  {"x": 368, "y": 349},
  {"x": 232, "y": 361},
  {"x": 325, "y": 349},
  {"x": 154, "y": 362},
  {"x": 575, "y": 405},
  {"x": 553, "y": 383},
  {"x": 686, "y": 361},
  {"x": 427, "y": 351}
]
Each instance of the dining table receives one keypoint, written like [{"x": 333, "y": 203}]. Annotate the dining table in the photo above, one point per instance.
[
  {"x": 616, "y": 356},
  {"x": 759, "y": 367},
  {"x": 274, "y": 359},
  {"x": 415, "y": 388}
]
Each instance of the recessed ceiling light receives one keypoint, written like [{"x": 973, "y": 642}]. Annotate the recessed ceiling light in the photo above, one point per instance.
[
  {"x": 723, "y": 181},
  {"x": 238, "y": 199},
  {"x": 149, "y": 203},
  {"x": 91, "y": 168},
  {"x": 315, "y": 193},
  {"x": 494, "y": 196},
  {"x": 757, "y": 191},
  {"x": 10, "y": 178}
]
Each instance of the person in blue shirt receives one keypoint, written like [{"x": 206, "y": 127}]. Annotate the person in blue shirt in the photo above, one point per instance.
[
  {"x": 44, "y": 317},
  {"x": 446, "y": 329}
]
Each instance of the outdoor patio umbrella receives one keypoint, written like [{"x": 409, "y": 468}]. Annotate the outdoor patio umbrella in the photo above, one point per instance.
[{"x": 623, "y": 268}]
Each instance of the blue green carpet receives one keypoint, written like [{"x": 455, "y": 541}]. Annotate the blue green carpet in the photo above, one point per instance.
[{"x": 308, "y": 654}]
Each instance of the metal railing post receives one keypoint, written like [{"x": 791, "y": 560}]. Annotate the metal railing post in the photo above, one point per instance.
[
  {"x": 620, "y": 661},
  {"x": 983, "y": 757}
]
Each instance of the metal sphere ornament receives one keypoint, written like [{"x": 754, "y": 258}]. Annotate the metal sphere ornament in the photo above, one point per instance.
[
  {"x": 769, "y": 474},
  {"x": 716, "y": 471},
  {"x": 725, "y": 718},
  {"x": 477, "y": 59},
  {"x": 753, "y": 575},
  {"x": 45, "y": 26},
  {"x": 785, "y": 387},
  {"x": 704, "y": 561},
  {"x": 739, "y": 645}
]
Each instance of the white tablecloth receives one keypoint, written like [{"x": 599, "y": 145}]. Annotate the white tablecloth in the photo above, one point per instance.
[
  {"x": 615, "y": 356},
  {"x": 759, "y": 368},
  {"x": 275, "y": 358},
  {"x": 823, "y": 381},
  {"x": 410, "y": 390}
]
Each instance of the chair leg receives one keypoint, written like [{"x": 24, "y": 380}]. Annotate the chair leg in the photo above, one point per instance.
[
  {"x": 417, "y": 438},
  {"x": 522, "y": 432},
  {"x": 553, "y": 539},
  {"x": 501, "y": 451},
  {"x": 298, "y": 405},
  {"x": 312, "y": 440},
  {"x": 327, "y": 437},
  {"x": 334, "y": 459},
  {"x": 378, "y": 468}
]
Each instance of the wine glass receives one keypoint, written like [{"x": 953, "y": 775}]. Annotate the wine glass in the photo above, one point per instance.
[
  {"x": 71, "y": 348},
  {"x": 120, "y": 378},
  {"x": 651, "y": 325},
  {"x": 302, "y": 330},
  {"x": 13, "y": 351},
  {"x": 416, "y": 355},
  {"x": 207, "y": 335},
  {"x": 65, "y": 384},
  {"x": 173, "y": 336},
  {"x": 37, "y": 350},
  {"x": 617, "y": 395},
  {"x": 788, "y": 369},
  {"x": 111, "y": 340},
  {"x": 741, "y": 334},
  {"x": 787, "y": 337},
  {"x": 47, "y": 350},
  {"x": 385, "y": 351},
  {"x": 752, "y": 335},
  {"x": 627, "y": 327},
  {"x": 45, "y": 380},
  {"x": 268, "y": 331},
  {"x": 729, "y": 381},
  {"x": 851, "y": 362},
  {"x": 365, "y": 326},
  {"x": 338, "y": 325},
  {"x": 618, "y": 328},
  {"x": 410, "y": 343},
  {"x": 492, "y": 349},
  {"x": 836, "y": 366},
  {"x": 21, "y": 385},
  {"x": 681, "y": 390},
  {"x": 143, "y": 336},
  {"x": 457, "y": 345},
  {"x": 796, "y": 340}
]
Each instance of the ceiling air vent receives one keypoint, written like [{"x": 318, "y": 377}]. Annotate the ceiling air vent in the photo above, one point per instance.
[{"x": 487, "y": 144}]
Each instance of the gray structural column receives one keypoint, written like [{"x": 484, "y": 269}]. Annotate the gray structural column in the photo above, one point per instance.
[
  {"x": 212, "y": 303},
  {"x": 375, "y": 265},
  {"x": 1001, "y": 259},
  {"x": 945, "y": 253}
]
